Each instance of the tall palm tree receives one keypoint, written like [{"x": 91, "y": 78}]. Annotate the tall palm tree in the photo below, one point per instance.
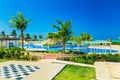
[
  {"x": 119, "y": 37},
  {"x": 86, "y": 36},
  {"x": 50, "y": 35},
  {"x": 20, "y": 23},
  {"x": 3, "y": 33},
  {"x": 77, "y": 39},
  {"x": 109, "y": 40},
  {"x": 64, "y": 32},
  {"x": 53, "y": 37},
  {"x": 27, "y": 37},
  {"x": 7, "y": 36},
  {"x": 34, "y": 37},
  {"x": 13, "y": 33},
  {"x": 40, "y": 36}
]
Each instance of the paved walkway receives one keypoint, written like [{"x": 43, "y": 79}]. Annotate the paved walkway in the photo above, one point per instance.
[
  {"x": 46, "y": 72},
  {"x": 49, "y": 55},
  {"x": 72, "y": 63},
  {"x": 107, "y": 71}
]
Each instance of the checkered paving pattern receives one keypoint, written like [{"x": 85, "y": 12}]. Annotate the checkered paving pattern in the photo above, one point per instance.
[{"x": 17, "y": 72}]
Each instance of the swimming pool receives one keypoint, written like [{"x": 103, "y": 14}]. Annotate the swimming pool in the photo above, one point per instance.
[
  {"x": 72, "y": 48},
  {"x": 85, "y": 49},
  {"x": 91, "y": 50}
]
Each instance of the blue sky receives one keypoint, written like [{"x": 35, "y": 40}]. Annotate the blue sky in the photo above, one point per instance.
[{"x": 100, "y": 18}]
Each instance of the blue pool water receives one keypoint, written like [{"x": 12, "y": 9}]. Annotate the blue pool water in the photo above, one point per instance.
[
  {"x": 80, "y": 48},
  {"x": 99, "y": 50},
  {"x": 85, "y": 49}
]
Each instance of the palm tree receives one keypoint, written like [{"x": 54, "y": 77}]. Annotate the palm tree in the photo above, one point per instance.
[
  {"x": 40, "y": 36},
  {"x": 7, "y": 36},
  {"x": 50, "y": 35},
  {"x": 53, "y": 37},
  {"x": 2, "y": 33},
  {"x": 13, "y": 33},
  {"x": 119, "y": 37},
  {"x": 86, "y": 36},
  {"x": 77, "y": 39},
  {"x": 64, "y": 32},
  {"x": 34, "y": 37},
  {"x": 109, "y": 40},
  {"x": 21, "y": 24},
  {"x": 27, "y": 37}
]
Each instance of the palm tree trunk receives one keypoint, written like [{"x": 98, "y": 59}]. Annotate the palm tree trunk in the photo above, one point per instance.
[
  {"x": 64, "y": 44},
  {"x": 22, "y": 35}
]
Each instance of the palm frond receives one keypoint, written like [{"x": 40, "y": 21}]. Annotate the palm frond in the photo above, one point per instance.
[
  {"x": 21, "y": 18},
  {"x": 56, "y": 27},
  {"x": 15, "y": 18},
  {"x": 68, "y": 24},
  {"x": 70, "y": 33},
  {"x": 12, "y": 20},
  {"x": 13, "y": 25},
  {"x": 59, "y": 22},
  {"x": 27, "y": 21}
]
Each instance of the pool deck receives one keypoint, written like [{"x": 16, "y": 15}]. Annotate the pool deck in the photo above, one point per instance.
[
  {"x": 46, "y": 72},
  {"x": 107, "y": 71}
]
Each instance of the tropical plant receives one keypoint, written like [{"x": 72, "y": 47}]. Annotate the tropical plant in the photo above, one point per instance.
[
  {"x": 53, "y": 36},
  {"x": 7, "y": 36},
  {"x": 13, "y": 33},
  {"x": 3, "y": 33},
  {"x": 20, "y": 23},
  {"x": 16, "y": 53},
  {"x": 91, "y": 58},
  {"x": 27, "y": 37},
  {"x": 109, "y": 40},
  {"x": 64, "y": 32},
  {"x": 50, "y": 36},
  {"x": 34, "y": 37},
  {"x": 77, "y": 39},
  {"x": 40, "y": 36},
  {"x": 86, "y": 36},
  {"x": 119, "y": 37}
]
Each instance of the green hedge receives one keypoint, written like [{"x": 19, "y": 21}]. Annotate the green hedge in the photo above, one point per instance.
[{"x": 91, "y": 58}]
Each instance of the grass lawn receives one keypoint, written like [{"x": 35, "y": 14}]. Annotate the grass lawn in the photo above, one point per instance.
[{"x": 71, "y": 72}]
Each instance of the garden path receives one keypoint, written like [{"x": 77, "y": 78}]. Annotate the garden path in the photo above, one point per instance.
[{"x": 107, "y": 70}]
